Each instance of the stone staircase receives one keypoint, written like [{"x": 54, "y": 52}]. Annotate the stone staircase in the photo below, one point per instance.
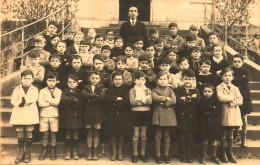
[{"x": 8, "y": 138}]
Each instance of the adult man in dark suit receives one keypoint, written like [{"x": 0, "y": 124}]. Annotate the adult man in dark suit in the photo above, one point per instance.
[{"x": 133, "y": 28}]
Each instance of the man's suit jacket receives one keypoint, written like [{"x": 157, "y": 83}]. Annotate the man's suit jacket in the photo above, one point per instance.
[{"x": 129, "y": 32}]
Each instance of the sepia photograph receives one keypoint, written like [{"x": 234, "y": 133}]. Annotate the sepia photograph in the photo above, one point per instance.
[{"x": 120, "y": 82}]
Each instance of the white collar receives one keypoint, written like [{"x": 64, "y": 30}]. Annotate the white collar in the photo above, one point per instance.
[
  {"x": 201, "y": 73},
  {"x": 218, "y": 60}
]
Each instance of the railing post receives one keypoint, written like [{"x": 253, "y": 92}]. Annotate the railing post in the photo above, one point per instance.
[
  {"x": 22, "y": 61},
  {"x": 246, "y": 40},
  {"x": 63, "y": 22}
]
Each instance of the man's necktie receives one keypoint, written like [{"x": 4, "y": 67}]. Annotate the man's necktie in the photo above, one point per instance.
[{"x": 133, "y": 23}]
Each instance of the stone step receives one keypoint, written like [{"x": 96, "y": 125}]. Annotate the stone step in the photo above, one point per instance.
[
  {"x": 256, "y": 105},
  {"x": 255, "y": 94},
  {"x": 6, "y": 101},
  {"x": 5, "y": 114},
  {"x": 254, "y": 85},
  {"x": 253, "y": 132},
  {"x": 253, "y": 118},
  {"x": 9, "y": 145}
]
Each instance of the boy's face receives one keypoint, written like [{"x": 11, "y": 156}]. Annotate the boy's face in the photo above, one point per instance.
[
  {"x": 140, "y": 82},
  {"x": 52, "y": 29},
  {"x": 205, "y": 68},
  {"x": 84, "y": 48},
  {"x": 55, "y": 41},
  {"x": 118, "y": 81},
  {"x": 159, "y": 47},
  {"x": 227, "y": 77},
  {"x": 55, "y": 62},
  {"x": 155, "y": 35},
  {"x": 99, "y": 42},
  {"x": 213, "y": 39},
  {"x": 110, "y": 36},
  {"x": 76, "y": 64},
  {"x": 120, "y": 65},
  {"x": 98, "y": 65},
  {"x": 61, "y": 48},
  {"x": 150, "y": 51},
  {"x": 217, "y": 52},
  {"x": 144, "y": 64},
  {"x": 133, "y": 12},
  {"x": 51, "y": 82},
  {"x": 27, "y": 80},
  {"x": 72, "y": 84},
  {"x": 184, "y": 65},
  {"x": 129, "y": 51},
  {"x": 163, "y": 81},
  {"x": 191, "y": 44},
  {"x": 139, "y": 45},
  {"x": 34, "y": 61},
  {"x": 119, "y": 43},
  {"x": 164, "y": 67},
  {"x": 187, "y": 81},
  {"x": 194, "y": 32},
  {"x": 94, "y": 79},
  {"x": 78, "y": 38},
  {"x": 173, "y": 31},
  {"x": 70, "y": 35},
  {"x": 208, "y": 92},
  {"x": 195, "y": 55},
  {"x": 172, "y": 56},
  {"x": 91, "y": 33},
  {"x": 106, "y": 53},
  {"x": 237, "y": 62},
  {"x": 39, "y": 45}
]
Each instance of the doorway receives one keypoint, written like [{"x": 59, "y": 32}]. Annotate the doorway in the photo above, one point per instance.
[{"x": 144, "y": 7}]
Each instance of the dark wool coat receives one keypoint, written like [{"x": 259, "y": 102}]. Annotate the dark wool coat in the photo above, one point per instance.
[
  {"x": 187, "y": 110},
  {"x": 93, "y": 112},
  {"x": 241, "y": 79},
  {"x": 65, "y": 61},
  {"x": 116, "y": 52},
  {"x": 210, "y": 117},
  {"x": 68, "y": 42},
  {"x": 117, "y": 112},
  {"x": 72, "y": 50},
  {"x": 129, "y": 32},
  {"x": 218, "y": 66},
  {"x": 71, "y": 106},
  {"x": 184, "y": 51},
  {"x": 202, "y": 79},
  {"x": 82, "y": 75}
]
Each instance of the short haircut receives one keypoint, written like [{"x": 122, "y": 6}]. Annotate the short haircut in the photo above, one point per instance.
[
  {"x": 208, "y": 85},
  {"x": 26, "y": 72},
  {"x": 206, "y": 61},
  {"x": 133, "y": 6},
  {"x": 39, "y": 38},
  {"x": 76, "y": 57},
  {"x": 173, "y": 24},
  {"x": 117, "y": 73},
  {"x": 119, "y": 38},
  {"x": 34, "y": 54},
  {"x": 190, "y": 38},
  {"x": 225, "y": 70},
  {"x": 53, "y": 23},
  {"x": 136, "y": 39},
  {"x": 153, "y": 30},
  {"x": 62, "y": 42},
  {"x": 138, "y": 74},
  {"x": 194, "y": 27},
  {"x": 79, "y": 33},
  {"x": 212, "y": 33},
  {"x": 54, "y": 36},
  {"x": 98, "y": 36},
  {"x": 160, "y": 74},
  {"x": 144, "y": 58},
  {"x": 110, "y": 30},
  {"x": 164, "y": 60},
  {"x": 94, "y": 72},
  {"x": 238, "y": 56},
  {"x": 73, "y": 77},
  {"x": 55, "y": 55},
  {"x": 196, "y": 49},
  {"x": 97, "y": 57},
  {"x": 150, "y": 44},
  {"x": 188, "y": 73},
  {"x": 105, "y": 47},
  {"x": 182, "y": 59},
  {"x": 121, "y": 58},
  {"x": 217, "y": 45},
  {"x": 171, "y": 50},
  {"x": 52, "y": 75},
  {"x": 130, "y": 46},
  {"x": 84, "y": 42},
  {"x": 70, "y": 30},
  {"x": 158, "y": 41}
]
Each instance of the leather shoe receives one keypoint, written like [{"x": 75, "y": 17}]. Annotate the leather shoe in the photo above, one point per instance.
[
  {"x": 144, "y": 158},
  {"x": 167, "y": 159},
  {"x": 158, "y": 159},
  {"x": 134, "y": 159}
]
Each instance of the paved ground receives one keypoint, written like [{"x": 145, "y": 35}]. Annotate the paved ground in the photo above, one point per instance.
[{"x": 9, "y": 160}]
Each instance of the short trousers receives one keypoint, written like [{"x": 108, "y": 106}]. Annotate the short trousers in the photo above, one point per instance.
[
  {"x": 96, "y": 126},
  {"x": 49, "y": 123},
  {"x": 24, "y": 127},
  {"x": 141, "y": 118}
]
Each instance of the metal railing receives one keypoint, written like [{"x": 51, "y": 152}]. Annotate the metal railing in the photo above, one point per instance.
[{"x": 9, "y": 54}]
